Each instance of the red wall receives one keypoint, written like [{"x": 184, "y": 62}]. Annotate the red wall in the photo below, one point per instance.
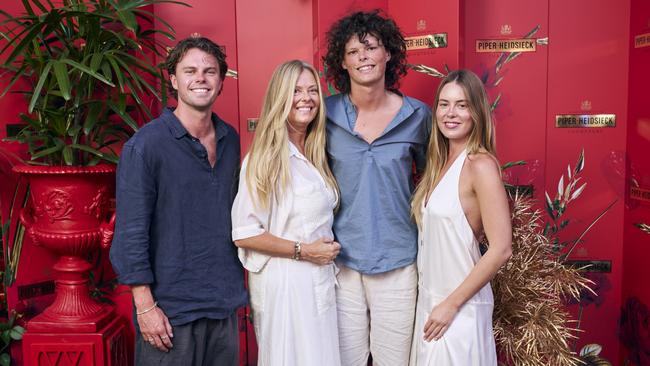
[
  {"x": 635, "y": 287},
  {"x": 585, "y": 38},
  {"x": 589, "y": 57}
]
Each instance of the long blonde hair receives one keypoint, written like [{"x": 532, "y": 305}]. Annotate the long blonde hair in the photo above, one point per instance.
[
  {"x": 481, "y": 136},
  {"x": 268, "y": 175}
]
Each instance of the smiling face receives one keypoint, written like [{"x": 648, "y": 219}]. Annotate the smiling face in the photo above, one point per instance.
[
  {"x": 365, "y": 60},
  {"x": 197, "y": 80},
  {"x": 305, "y": 101},
  {"x": 453, "y": 116}
]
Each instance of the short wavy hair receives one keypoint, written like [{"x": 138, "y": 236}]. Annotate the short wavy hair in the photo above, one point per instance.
[
  {"x": 204, "y": 44},
  {"x": 361, "y": 24}
]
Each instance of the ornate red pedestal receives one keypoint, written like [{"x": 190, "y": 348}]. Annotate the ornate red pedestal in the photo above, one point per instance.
[
  {"x": 107, "y": 347},
  {"x": 69, "y": 214}
]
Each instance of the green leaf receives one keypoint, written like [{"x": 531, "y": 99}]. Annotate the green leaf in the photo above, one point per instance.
[
  {"x": 563, "y": 224},
  {"x": 5, "y": 359},
  {"x": 88, "y": 71},
  {"x": 17, "y": 333},
  {"x": 88, "y": 149},
  {"x": 91, "y": 118},
  {"x": 67, "y": 155},
  {"x": 494, "y": 104},
  {"x": 95, "y": 61},
  {"x": 5, "y": 337},
  {"x": 48, "y": 151},
  {"x": 125, "y": 116},
  {"x": 510, "y": 164},
  {"x": 592, "y": 349},
  {"x": 61, "y": 73},
  {"x": 39, "y": 86},
  {"x": 14, "y": 79}
]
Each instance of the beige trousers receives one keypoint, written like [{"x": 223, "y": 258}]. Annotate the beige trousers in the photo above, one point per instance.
[{"x": 376, "y": 315}]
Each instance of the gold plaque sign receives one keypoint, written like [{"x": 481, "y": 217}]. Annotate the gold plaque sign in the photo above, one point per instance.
[
  {"x": 251, "y": 124},
  {"x": 642, "y": 40},
  {"x": 640, "y": 194},
  {"x": 585, "y": 120},
  {"x": 506, "y": 45},
  {"x": 426, "y": 41}
]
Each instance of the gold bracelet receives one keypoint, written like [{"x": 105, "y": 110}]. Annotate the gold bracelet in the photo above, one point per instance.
[
  {"x": 297, "y": 250},
  {"x": 155, "y": 304}
]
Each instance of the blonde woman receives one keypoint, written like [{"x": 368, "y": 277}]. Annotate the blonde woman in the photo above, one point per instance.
[
  {"x": 282, "y": 223},
  {"x": 460, "y": 198}
]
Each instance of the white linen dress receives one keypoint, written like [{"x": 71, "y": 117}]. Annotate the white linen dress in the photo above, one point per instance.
[
  {"x": 447, "y": 252},
  {"x": 293, "y": 302}
]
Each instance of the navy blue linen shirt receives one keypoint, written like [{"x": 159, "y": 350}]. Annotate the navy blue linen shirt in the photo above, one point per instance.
[
  {"x": 373, "y": 224},
  {"x": 173, "y": 225}
]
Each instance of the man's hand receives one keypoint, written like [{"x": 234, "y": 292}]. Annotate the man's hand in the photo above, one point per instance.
[
  {"x": 155, "y": 329},
  {"x": 154, "y": 325}
]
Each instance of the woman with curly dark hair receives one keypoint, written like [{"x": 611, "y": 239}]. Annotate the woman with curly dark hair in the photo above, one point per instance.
[{"x": 375, "y": 135}]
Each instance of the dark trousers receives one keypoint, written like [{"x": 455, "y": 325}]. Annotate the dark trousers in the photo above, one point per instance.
[{"x": 204, "y": 342}]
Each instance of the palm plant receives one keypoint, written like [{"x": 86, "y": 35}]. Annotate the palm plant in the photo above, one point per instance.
[{"x": 89, "y": 67}]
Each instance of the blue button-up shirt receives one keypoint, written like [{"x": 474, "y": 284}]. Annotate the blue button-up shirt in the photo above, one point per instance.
[
  {"x": 173, "y": 226},
  {"x": 373, "y": 224}
]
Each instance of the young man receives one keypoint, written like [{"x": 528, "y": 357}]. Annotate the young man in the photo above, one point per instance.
[
  {"x": 175, "y": 187},
  {"x": 375, "y": 136}
]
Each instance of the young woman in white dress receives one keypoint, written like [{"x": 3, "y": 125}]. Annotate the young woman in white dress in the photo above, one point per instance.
[
  {"x": 460, "y": 197},
  {"x": 282, "y": 223}
]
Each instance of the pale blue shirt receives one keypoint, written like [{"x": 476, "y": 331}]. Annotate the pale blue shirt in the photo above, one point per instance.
[{"x": 373, "y": 224}]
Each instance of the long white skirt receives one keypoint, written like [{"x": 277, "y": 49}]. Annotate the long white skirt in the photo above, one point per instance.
[
  {"x": 468, "y": 340},
  {"x": 294, "y": 314}
]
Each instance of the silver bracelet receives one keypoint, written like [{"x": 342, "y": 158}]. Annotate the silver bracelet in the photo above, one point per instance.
[
  {"x": 155, "y": 304},
  {"x": 297, "y": 250}
]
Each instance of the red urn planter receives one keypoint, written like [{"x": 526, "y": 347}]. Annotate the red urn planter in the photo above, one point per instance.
[{"x": 68, "y": 213}]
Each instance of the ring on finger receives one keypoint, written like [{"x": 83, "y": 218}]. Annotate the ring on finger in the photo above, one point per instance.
[{"x": 163, "y": 337}]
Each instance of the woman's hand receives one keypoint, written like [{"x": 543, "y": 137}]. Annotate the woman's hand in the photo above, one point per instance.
[
  {"x": 321, "y": 251},
  {"x": 439, "y": 320}
]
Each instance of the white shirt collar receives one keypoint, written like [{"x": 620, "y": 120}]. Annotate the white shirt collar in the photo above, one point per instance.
[{"x": 293, "y": 151}]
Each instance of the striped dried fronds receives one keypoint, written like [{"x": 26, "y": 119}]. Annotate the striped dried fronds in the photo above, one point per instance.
[
  {"x": 643, "y": 227},
  {"x": 531, "y": 324},
  {"x": 426, "y": 70}
]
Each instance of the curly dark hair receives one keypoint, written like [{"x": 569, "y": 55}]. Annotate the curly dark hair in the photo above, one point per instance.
[
  {"x": 361, "y": 24},
  {"x": 202, "y": 43}
]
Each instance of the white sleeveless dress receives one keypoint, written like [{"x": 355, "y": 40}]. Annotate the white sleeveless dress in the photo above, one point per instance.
[{"x": 447, "y": 252}]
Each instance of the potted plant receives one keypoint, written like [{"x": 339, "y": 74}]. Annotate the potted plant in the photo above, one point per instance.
[{"x": 89, "y": 67}]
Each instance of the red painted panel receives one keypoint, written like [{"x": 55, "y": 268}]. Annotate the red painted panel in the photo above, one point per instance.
[
  {"x": 268, "y": 33},
  {"x": 588, "y": 61},
  {"x": 635, "y": 251},
  {"x": 417, "y": 18},
  {"x": 521, "y": 112}
]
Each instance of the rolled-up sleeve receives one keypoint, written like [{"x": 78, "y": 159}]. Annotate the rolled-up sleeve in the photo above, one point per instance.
[
  {"x": 136, "y": 197},
  {"x": 248, "y": 219}
]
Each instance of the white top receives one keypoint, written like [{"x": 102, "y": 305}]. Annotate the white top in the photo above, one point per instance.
[
  {"x": 292, "y": 218},
  {"x": 447, "y": 253},
  {"x": 448, "y": 248}
]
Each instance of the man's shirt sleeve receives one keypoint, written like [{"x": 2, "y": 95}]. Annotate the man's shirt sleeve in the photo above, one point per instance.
[
  {"x": 136, "y": 197},
  {"x": 421, "y": 151}
]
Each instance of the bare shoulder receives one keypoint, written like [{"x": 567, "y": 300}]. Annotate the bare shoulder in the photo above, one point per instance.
[{"x": 483, "y": 164}]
